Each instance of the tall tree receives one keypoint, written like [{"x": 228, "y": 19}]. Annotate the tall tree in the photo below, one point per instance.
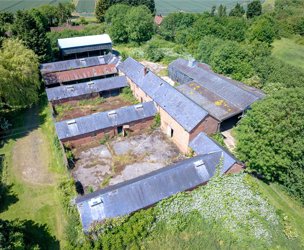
[
  {"x": 29, "y": 28},
  {"x": 139, "y": 24},
  {"x": 101, "y": 8},
  {"x": 254, "y": 9},
  {"x": 237, "y": 11},
  {"x": 19, "y": 75},
  {"x": 221, "y": 11},
  {"x": 270, "y": 139}
]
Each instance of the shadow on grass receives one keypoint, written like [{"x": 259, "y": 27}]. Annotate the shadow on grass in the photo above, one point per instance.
[
  {"x": 27, "y": 234},
  {"x": 7, "y": 197},
  {"x": 23, "y": 121}
]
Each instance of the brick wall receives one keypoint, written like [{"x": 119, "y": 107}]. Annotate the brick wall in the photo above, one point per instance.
[
  {"x": 135, "y": 128},
  {"x": 209, "y": 126},
  {"x": 76, "y": 98},
  {"x": 236, "y": 168}
]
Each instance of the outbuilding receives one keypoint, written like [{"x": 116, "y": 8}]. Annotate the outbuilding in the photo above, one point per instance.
[{"x": 85, "y": 46}]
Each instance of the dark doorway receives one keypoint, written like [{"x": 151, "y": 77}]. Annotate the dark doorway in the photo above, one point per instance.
[
  {"x": 119, "y": 130},
  {"x": 171, "y": 133}
]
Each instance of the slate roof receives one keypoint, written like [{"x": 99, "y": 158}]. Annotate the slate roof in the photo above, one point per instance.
[
  {"x": 79, "y": 74},
  {"x": 95, "y": 86},
  {"x": 78, "y": 63},
  {"x": 235, "y": 96},
  {"x": 102, "y": 120},
  {"x": 141, "y": 192},
  {"x": 74, "y": 42},
  {"x": 202, "y": 144},
  {"x": 182, "y": 109}
]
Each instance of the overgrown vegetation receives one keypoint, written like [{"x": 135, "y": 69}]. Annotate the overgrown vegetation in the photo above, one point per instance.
[
  {"x": 127, "y": 95},
  {"x": 229, "y": 210}
]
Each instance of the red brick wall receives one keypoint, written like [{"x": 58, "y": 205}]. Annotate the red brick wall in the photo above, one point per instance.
[
  {"x": 236, "y": 168},
  {"x": 135, "y": 128},
  {"x": 209, "y": 125}
]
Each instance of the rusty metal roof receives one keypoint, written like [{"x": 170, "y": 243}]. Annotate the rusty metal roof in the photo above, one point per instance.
[{"x": 79, "y": 74}]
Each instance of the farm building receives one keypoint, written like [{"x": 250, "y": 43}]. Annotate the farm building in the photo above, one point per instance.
[
  {"x": 144, "y": 191},
  {"x": 181, "y": 118},
  {"x": 223, "y": 98},
  {"x": 78, "y": 63},
  {"x": 85, "y": 46},
  {"x": 94, "y": 127},
  {"x": 79, "y": 75},
  {"x": 102, "y": 87}
]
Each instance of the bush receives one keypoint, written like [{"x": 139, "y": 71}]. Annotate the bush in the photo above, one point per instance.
[{"x": 153, "y": 53}]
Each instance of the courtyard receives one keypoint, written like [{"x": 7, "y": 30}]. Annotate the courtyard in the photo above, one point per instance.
[
  {"x": 123, "y": 158},
  {"x": 78, "y": 108}
]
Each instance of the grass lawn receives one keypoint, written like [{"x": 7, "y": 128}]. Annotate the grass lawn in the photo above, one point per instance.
[
  {"x": 289, "y": 51},
  {"x": 37, "y": 202},
  {"x": 284, "y": 203}
]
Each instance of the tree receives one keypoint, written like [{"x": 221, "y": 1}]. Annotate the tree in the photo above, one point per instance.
[
  {"x": 263, "y": 29},
  {"x": 270, "y": 139},
  {"x": 235, "y": 29},
  {"x": 237, "y": 11},
  {"x": 232, "y": 59},
  {"x": 101, "y": 8},
  {"x": 139, "y": 24},
  {"x": 19, "y": 75},
  {"x": 221, "y": 11},
  {"x": 175, "y": 22},
  {"x": 116, "y": 12},
  {"x": 31, "y": 30},
  {"x": 254, "y": 9}
]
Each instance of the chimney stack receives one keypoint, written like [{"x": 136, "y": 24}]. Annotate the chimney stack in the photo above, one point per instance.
[{"x": 146, "y": 70}]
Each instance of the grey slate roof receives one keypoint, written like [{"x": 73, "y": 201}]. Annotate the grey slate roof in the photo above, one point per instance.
[
  {"x": 102, "y": 120},
  {"x": 202, "y": 144},
  {"x": 182, "y": 109},
  {"x": 235, "y": 94},
  {"x": 96, "y": 86},
  {"x": 146, "y": 190},
  {"x": 78, "y": 63}
]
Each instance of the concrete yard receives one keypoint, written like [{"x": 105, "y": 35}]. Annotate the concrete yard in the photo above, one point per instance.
[{"x": 124, "y": 158}]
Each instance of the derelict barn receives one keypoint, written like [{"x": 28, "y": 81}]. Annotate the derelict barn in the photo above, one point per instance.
[
  {"x": 223, "y": 98},
  {"x": 181, "y": 118},
  {"x": 79, "y": 75},
  {"x": 94, "y": 127},
  {"x": 85, "y": 46},
  {"x": 97, "y": 88},
  {"x": 144, "y": 191}
]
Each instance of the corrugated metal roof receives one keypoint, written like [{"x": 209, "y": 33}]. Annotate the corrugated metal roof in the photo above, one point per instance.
[
  {"x": 95, "y": 86},
  {"x": 182, "y": 109},
  {"x": 74, "y": 42},
  {"x": 79, "y": 74},
  {"x": 78, "y": 63},
  {"x": 202, "y": 144},
  {"x": 236, "y": 93},
  {"x": 146, "y": 190},
  {"x": 102, "y": 120}
]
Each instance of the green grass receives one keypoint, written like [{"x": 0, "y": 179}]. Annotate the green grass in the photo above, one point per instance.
[
  {"x": 289, "y": 51},
  {"x": 14, "y": 5},
  {"x": 284, "y": 203},
  {"x": 37, "y": 202},
  {"x": 85, "y": 6}
]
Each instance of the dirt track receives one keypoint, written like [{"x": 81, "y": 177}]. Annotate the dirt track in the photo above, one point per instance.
[{"x": 30, "y": 154}]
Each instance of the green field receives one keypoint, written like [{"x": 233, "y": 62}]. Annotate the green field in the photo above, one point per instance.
[
  {"x": 164, "y": 7},
  {"x": 289, "y": 51},
  {"x": 14, "y": 5},
  {"x": 85, "y": 6}
]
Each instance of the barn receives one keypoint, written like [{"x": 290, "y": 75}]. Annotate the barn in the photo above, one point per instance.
[
  {"x": 223, "y": 98},
  {"x": 144, "y": 191},
  {"x": 102, "y": 87},
  {"x": 95, "y": 127},
  {"x": 85, "y": 46},
  {"x": 181, "y": 118}
]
